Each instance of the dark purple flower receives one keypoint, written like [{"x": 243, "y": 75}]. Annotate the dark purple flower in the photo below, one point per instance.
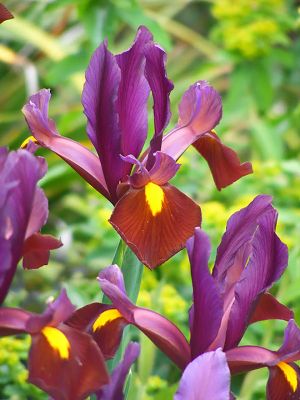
[
  {"x": 23, "y": 212},
  {"x": 64, "y": 362},
  {"x": 153, "y": 217},
  {"x": 250, "y": 259}
]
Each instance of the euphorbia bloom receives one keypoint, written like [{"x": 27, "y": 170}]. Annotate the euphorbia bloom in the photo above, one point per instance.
[
  {"x": 23, "y": 212},
  {"x": 249, "y": 260},
  {"x": 64, "y": 362},
  {"x": 152, "y": 216}
]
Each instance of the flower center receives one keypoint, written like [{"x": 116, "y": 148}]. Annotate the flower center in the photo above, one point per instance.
[{"x": 154, "y": 197}]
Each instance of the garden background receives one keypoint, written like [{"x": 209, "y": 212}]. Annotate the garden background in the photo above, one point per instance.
[{"x": 250, "y": 52}]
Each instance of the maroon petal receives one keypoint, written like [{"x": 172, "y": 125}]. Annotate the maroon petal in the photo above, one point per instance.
[
  {"x": 200, "y": 111},
  {"x": 114, "y": 389},
  {"x": 165, "y": 335},
  {"x": 223, "y": 162},
  {"x": 268, "y": 307},
  {"x": 133, "y": 93},
  {"x": 13, "y": 321},
  {"x": 77, "y": 156},
  {"x": 266, "y": 264},
  {"x": 206, "y": 377},
  {"x": 207, "y": 309},
  {"x": 5, "y": 14},
  {"x": 161, "y": 87},
  {"x": 155, "y": 221},
  {"x": 283, "y": 383},
  {"x": 66, "y": 363},
  {"x": 39, "y": 213},
  {"x": 36, "y": 250}
]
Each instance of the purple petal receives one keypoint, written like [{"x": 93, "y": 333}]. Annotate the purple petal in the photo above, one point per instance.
[
  {"x": 18, "y": 177},
  {"x": 114, "y": 389},
  {"x": 39, "y": 213},
  {"x": 206, "y": 377},
  {"x": 164, "y": 168},
  {"x": 165, "y": 335},
  {"x": 99, "y": 99},
  {"x": 200, "y": 111},
  {"x": 207, "y": 303},
  {"x": 266, "y": 264},
  {"x": 133, "y": 93},
  {"x": 239, "y": 231},
  {"x": 77, "y": 156},
  {"x": 13, "y": 321},
  {"x": 268, "y": 307},
  {"x": 161, "y": 87},
  {"x": 290, "y": 349},
  {"x": 56, "y": 312}
]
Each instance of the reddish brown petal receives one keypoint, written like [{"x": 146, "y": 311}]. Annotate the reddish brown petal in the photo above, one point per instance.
[
  {"x": 269, "y": 308},
  {"x": 71, "y": 367},
  {"x": 223, "y": 162},
  {"x": 281, "y": 383},
  {"x": 4, "y": 14},
  {"x": 36, "y": 250},
  {"x": 155, "y": 221}
]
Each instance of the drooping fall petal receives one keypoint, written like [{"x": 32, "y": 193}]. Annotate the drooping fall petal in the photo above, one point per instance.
[
  {"x": 223, "y": 162},
  {"x": 207, "y": 309},
  {"x": 155, "y": 221},
  {"x": 283, "y": 383},
  {"x": 77, "y": 156},
  {"x": 66, "y": 363},
  {"x": 206, "y": 377}
]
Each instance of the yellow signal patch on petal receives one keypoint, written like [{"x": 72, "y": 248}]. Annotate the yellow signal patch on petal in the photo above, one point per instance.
[
  {"x": 106, "y": 317},
  {"x": 26, "y": 141},
  {"x": 290, "y": 374},
  {"x": 154, "y": 197},
  {"x": 57, "y": 340}
]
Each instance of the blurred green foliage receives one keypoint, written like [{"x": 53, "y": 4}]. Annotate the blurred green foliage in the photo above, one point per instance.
[{"x": 250, "y": 51}]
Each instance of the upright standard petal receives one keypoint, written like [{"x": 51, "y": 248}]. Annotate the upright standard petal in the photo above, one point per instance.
[
  {"x": 99, "y": 99},
  {"x": 206, "y": 377},
  {"x": 161, "y": 87},
  {"x": 239, "y": 231},
  {"x": 114, "y": 389},
  {"x": 155, "y": 221},
  {"x": 77, "y": 156},
  {"x": 223, "y": 162},
  {"x": 200, "y": 111},
  {"x": 207, "y": 306},
  {"x": 133, "y": 92},
  {"x": 266, "y": 264}
]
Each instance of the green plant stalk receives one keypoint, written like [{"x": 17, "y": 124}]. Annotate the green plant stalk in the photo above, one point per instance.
[{"x": 132, "y": 270}]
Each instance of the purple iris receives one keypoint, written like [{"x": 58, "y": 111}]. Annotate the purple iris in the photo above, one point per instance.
[
  {"x": 250, "y": 259},
  {"x": 152, "y": 216},
  {"x": 23, "y": 212}
]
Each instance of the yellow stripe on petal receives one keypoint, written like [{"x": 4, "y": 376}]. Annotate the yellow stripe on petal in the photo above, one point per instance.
[
  {"x": 57, "y": 340},
  {"x": 106, "y": 317},
  {"x": 26, "y": 142},
  {"x": 290, "y": 374},
  {"x": 154, "y": 197}
]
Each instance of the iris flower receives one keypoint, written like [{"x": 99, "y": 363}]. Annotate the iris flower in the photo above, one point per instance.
[
  {"x": 5, "y": 14},
  {"x": 23, "y": 212},
  {"x": 153, "y": 217},
  {"x": 64, "y": 362},
  {"x": 250, "y": 259}
]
